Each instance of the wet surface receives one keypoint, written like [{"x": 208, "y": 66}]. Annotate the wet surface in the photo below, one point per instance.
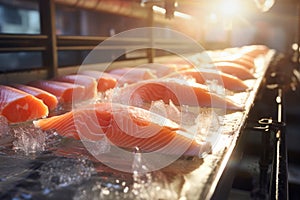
[{"x": 43, "y": 165}]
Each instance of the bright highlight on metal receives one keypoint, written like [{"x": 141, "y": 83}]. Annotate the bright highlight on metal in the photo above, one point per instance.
[{"x": 176, "y": 13}]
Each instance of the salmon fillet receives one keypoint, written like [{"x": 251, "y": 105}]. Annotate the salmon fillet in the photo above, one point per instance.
[
  {"x": 242, "y": 62},
  {"x": 234, "y": 57},
  {"x": 104, "y": 80},
  {"x": 88, "y": 82},
  {"x": 254, "y": 50},
  {"x": 18, "y": 106},
  {"x": 127, "y": 127},
  {"x": 234, "y": 70},
  {"x": 65, "y": 92},
  {"x": 132, "y": 75},
  {"x": 49, "y": 99},
  {"x": 162, "y": 70},
  {"x": 203, "y": 75},
  {"x": 180, "y": 92}
]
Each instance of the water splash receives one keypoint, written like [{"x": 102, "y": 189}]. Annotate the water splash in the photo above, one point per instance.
[
  {"x": 148, "y": 185},
  {"x": 5, "y": 136},
  {"x": 62, "y": 172},
  {"x": 140, "y": 185},
  {"x": 104, "y": 188},
  {"x": 28, "y": 139},
  {"x": 4, "y": 128},
  {"x": 53, "y": 140},
  {"x": 141, "y": 178},
  {"x": 98, "y": 147}
]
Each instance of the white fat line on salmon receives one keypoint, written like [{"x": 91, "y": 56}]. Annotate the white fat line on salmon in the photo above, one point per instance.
[
  {"x": 186, "y": 134},
  {"x": 24, "y": 107}
]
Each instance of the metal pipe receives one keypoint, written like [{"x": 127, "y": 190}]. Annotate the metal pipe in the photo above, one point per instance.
[
  {"x": 18, "y": 49},
  {"x": 151, "y": 51},
  {"x": 264, "y": 163},
  {"x": 298, "y": 34},
  {"x": 22, "y": 37},
  {"x": 119, "y": 7},
  {"x": 125, "y": 8},
  {"x": 279, "y": 181}
]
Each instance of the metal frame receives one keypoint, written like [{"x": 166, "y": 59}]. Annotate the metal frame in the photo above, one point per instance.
[
  {"x": 279, "y": 178},
  {"x": 49, "y": 43},
  {"x": 47, "y": 15},
  {"x": 273, "y": 138}
]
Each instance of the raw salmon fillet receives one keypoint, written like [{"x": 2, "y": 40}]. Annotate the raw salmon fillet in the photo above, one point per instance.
[
  {"x": 18, "y": 106},
  {"x": 234, "y": 57},
  {"x": 104, "y": 80},
  {"x": 49, "y": 99},
  {"x": 159, "y": 69},
  {"x": 250, "y": 51},
  {"x": 234, "y": 69},
  {"x": 162, "y": 70},
  {"x": 127, "y": 127},
  {"x": 242, "y": 62},
  {"x": 203, "y": 75},
  {"x": 180, "y": 63},
  {"x": 254, "y": 50},
  {"x": 179, "y": 66},
  {"x": 88, "y": 82},
  {"x": 65, "y": 92},
  {"x": 133, "y": 75},
  {"x": 180, "y": 92}
]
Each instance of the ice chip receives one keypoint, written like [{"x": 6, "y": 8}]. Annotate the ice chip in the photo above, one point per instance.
[
  {"x": 169, "y": 111},
  {"x": 98, "y": 147},
  {"x": 4, "y": 128},
  {"x": 148, "y": 185},
  {"x": 107, "y": 95},
  {"x": 135, "y": 100},
  {"x": 173, "y": 112},
  {"x": 62, "y": 172},
  {"x": 188, "y": 116},
  {"x": 182, "y": 116},
  {"x": 189, "y": 79},
  {"x": 158, "y": 107},
  {"x": 28, "y": 139},
  {"x": 207, "y": 123},
  {"x": 214, "y": 87}
]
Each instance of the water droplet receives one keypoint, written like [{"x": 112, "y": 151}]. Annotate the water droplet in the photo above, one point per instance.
[
  {"x": 126, "y": 189},
  {"x": 105, "y": 191},
  {"x": 62, "y": 172}
]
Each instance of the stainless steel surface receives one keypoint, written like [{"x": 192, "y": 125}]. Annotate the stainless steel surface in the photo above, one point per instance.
[{"x": 209, "y": 173}]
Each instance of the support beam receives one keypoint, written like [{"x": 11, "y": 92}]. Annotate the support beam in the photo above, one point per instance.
[{"x": 48, "y": 27}]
